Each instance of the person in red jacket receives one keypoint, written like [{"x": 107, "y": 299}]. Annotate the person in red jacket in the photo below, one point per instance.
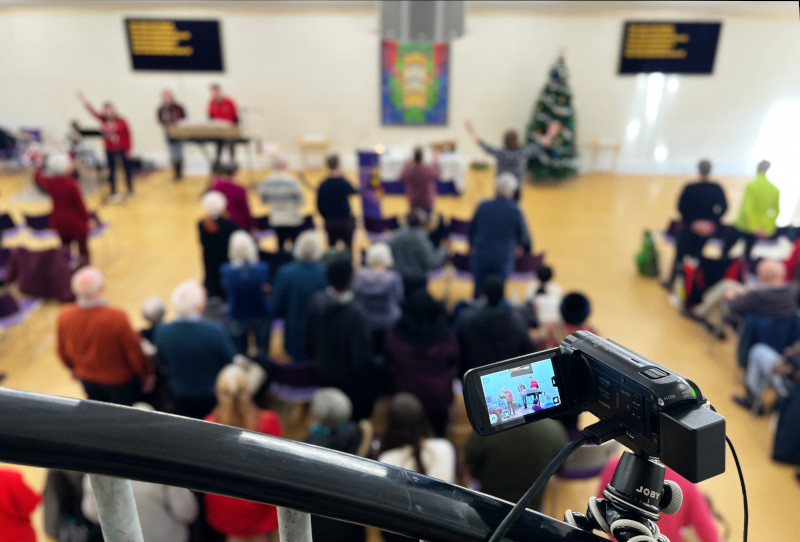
[
  {"x": 222, "y": 108},
  {"x": 69, "y": 217},
  {"x": 17, "y": 503},
  {"x": 236, "y": 518},
  {"x": 117, "y": 138}
]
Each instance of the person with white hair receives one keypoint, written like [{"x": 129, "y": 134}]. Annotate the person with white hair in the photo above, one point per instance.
[
  {"x": 379, "y": 289},
  {"x": 215, "y": 235},
  {"x": 99, "y": 346},
  {"x": 332, "y": 428},
  {"x": 295, "y": 283},
  {"x": 69, "y": 217},
  {"x": 413, "y": 252},
  {"x": 497, "y": 233},
  {"x": 194, "y": 352},
  {"x": 757, "y": 215},
  {"x": 245, "y": 280},
  {"x": 153, "y": 311},
  {"x": 281, "y": 191}
]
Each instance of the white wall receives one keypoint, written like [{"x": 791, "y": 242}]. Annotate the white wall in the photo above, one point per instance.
[{"x": 317, "y": 70}]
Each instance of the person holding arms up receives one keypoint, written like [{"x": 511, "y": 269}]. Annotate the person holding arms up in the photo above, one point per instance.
[{"x": 117, "y": 138}]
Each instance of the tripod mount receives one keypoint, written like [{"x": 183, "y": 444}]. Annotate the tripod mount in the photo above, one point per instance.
[{"x": 632, "y": 503}]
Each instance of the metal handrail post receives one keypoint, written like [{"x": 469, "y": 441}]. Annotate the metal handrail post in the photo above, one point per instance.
[
  {"x": 116, "y": 508},
  {"x": 293, "y": 525}
]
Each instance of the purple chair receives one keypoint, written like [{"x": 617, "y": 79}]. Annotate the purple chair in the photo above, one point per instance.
[
  {"x": 39, "y": 227},
  {"x": 377, "y": 227},
  {"x": 461, "y": 267},
  {"x": 8, "y": 227},
  {"x": 265, "y": 230},
  {"x": 294, "y": 382},
  {"x": 14, "y": 313},
  {"x": 459, "y": 230},
  {"x": 5, "y": 253},
  {"x": 526, "y": 266}
]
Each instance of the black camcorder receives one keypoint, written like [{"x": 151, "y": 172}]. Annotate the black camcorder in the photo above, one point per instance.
[{"x": 664, "y": 415}]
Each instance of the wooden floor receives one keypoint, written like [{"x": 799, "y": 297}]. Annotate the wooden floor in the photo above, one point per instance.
[{"x": 590, "y": 229}]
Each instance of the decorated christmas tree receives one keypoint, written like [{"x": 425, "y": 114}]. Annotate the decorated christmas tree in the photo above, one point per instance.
[{"x": 559, "y": 161}]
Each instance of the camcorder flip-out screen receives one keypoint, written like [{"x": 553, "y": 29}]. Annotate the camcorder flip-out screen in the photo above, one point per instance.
[
  {"x": 515, "y": 392},
  {"x": 664, "y": 414}
]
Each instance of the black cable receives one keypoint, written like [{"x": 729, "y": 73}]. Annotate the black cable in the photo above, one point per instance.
[
  {"x": 598, "y": 433},
  {"x": 537, "y": 486},
  {"x": 744, "y": 489}
]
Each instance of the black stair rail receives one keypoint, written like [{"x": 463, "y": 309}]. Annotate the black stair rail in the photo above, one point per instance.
[{"x": 87, "y": 436}]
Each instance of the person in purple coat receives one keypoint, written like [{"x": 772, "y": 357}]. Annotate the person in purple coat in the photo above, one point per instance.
[{"x": 422, "y": 351}]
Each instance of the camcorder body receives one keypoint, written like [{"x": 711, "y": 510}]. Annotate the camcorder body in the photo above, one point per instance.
[{"x": 664, "y": 415}]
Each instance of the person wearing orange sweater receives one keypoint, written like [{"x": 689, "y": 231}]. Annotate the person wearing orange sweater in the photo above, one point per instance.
[{"x": 99, "y": 346}]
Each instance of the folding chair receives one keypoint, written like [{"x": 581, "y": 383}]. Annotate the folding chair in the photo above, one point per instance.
[
  {"x": 459, "y": 230},
  {"x": 38, "y": 226},
  {"x": 265, "y": 230}
]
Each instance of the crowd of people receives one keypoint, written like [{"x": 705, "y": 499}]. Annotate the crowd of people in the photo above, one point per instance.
[{"x": 369, "y": 331}]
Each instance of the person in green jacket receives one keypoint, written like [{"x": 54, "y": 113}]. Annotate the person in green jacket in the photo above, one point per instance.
[{"x": 757, "y": 215}]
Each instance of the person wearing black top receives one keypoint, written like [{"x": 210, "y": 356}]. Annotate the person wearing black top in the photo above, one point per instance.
[
  {"x": 215, "y": 233},
  {"x": 334, "y": 205},
  {"x": 169, "y": 113},
  {"x": 702, "y": 204}
]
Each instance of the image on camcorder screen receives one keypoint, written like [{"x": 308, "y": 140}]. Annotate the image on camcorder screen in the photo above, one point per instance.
[{"x": 513, "y": 393}]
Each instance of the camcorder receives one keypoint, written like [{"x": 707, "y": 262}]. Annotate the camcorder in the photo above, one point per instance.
[{"x": 664, "y": 415}]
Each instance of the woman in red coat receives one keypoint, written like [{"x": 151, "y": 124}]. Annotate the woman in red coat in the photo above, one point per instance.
[
  {"x": 69, "y": 217},
  {"x": 238, "y": 519},
  {"x": 117, "y": 138}
]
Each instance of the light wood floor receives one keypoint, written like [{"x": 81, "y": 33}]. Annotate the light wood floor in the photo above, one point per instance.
[{"x": 590, "y": 229}]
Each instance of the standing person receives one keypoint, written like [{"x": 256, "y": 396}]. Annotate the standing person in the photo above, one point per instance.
[
  {"x": 281, "y": 192},
  {"x": 194, "y": 351},
  {"x": 757, "y": 215},
  {"x": 236, "y": 195},
  {"x": 117, "y": 138},
  {"x": 170, "y": 112},
  {"x": 215, "y": 234},
  {"x": 333, "y": 203},
  {"x": 414, "y": 253},
  {"x": 497, "y": 461},
  {"x": 295, "y": 284},
  {"x": 332, "y": 428},
  {"x": 238, "y": 519},
  {"x": 702, "y": 204},
  {"x": 379, "y": 289},
  {"x": 409, "y": 444},
  {"x": 338, "y": 339},
  {"x": 493, "y": 332},
  {"x": 419, "y": 181},
  {"x": 17, "y": 503},
  {"x": 69, "y": 217},
  {"x": 99, "y": 346},
  {"x": 245, "y": 280},
  {"x": 222, "y": 108},
  {"x": 497, "y": 234},
  {"x": 423, "y": 352},
  {"x": 512, "y": 158}
]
